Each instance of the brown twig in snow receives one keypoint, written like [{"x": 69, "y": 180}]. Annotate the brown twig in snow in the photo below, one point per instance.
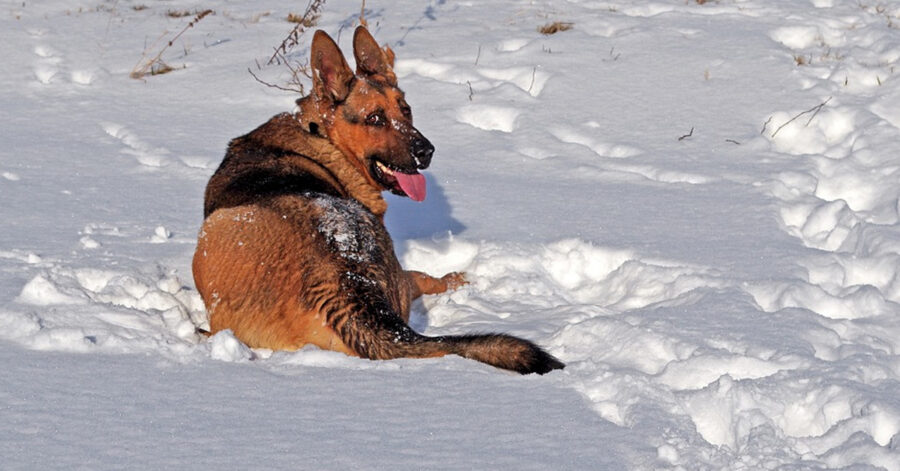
[
  {"x": 765, "y": 125},
  {"x": 814, "y": 110},
  {"x": 280, "y": 55},
  {"x": 293, "y": 38},
  {"x": 272, "y": 85},
  {"x": 687, "y": 135}
]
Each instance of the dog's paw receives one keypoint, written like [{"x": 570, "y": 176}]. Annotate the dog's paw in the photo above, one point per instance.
[
  {"x": 454, "y": 280},
  {"x": 426, "y": 284}
]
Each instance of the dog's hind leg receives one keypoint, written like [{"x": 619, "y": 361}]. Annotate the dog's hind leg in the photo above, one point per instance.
[{"x": 370, "y": 328}]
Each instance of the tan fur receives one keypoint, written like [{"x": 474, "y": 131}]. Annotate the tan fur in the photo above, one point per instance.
[{"x": 246, "y": 252}]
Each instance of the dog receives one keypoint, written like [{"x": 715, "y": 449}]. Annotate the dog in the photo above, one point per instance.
[{"x": 293, "y": 249}]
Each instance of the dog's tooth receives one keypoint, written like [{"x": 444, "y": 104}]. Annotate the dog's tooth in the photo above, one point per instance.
[{"x": 384, "y": 168}]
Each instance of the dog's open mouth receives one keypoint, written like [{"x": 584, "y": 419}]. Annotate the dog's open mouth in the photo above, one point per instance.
[{"x": 400, "y": 182}]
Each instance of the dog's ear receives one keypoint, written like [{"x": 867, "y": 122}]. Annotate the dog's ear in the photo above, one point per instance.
[
  {"x": 332, "y": 76},
  {"x": 371, "y": 60},
  {"x": 389, "y": 55}
]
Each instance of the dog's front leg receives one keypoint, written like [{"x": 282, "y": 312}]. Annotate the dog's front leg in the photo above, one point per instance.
[{"x": 422, "y": 283}]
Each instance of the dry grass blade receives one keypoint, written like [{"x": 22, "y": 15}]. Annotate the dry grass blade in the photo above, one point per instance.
[
  {"x": 155, "y": 65},
  {"x": 555, "y": 27},
  {"x": 362, "y": 14}
]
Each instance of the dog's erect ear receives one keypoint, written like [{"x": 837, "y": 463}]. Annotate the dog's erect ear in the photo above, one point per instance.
[
  {"x": 389, "y": 55},
  {"x": 370, "y": 58},
  {"x": 331, "y": 74}
]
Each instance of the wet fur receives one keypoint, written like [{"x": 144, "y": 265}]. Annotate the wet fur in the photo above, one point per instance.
[{"x": 293, "y": 250}]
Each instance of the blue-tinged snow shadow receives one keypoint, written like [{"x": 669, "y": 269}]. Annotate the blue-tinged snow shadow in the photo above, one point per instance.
[{"x": 407, "y": 219}]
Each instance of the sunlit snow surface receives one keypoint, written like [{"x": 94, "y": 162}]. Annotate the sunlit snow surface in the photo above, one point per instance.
[{"x": 692, "y": 204}]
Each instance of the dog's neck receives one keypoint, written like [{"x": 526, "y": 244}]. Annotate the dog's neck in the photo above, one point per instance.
[
  {"x": 282, "y": 132},
  {"x": 315, "y": 115}
]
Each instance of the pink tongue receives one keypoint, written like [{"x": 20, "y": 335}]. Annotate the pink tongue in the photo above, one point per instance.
[{"x": 413, "y": 185}]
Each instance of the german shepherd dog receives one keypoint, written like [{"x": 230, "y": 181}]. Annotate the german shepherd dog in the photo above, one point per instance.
[{"x": 293, "y": 249}]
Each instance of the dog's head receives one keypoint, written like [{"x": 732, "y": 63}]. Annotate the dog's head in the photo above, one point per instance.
[{"x": 365, "y": 115}]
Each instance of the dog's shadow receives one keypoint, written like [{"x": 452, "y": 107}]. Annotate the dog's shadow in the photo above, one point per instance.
[{"x": 407, "y": 220}]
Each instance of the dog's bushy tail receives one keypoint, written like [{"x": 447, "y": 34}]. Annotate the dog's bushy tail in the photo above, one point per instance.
[
  {"x": 390, "y": 338},
  {"x": 500, "y": 350}
]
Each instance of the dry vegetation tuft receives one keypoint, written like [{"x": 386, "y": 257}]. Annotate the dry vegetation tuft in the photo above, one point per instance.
[
  {"x": 555, "y": 27},
  {"x": 182, "y": 13},
  {"x": 305, "y": 21},
  {"x": 155, "y": 65},
  {"x": 298, "y": 68}
]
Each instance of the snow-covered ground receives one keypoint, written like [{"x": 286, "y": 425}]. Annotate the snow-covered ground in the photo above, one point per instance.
[{"x": 693, "y": 204}]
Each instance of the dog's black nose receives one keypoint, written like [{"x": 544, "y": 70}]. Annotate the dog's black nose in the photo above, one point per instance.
[{"x": 421, "y": 150}]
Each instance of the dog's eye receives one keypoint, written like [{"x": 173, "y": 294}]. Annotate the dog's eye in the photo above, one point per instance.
[
  {"x": 376, "y": 119},
  {"x": 407, "y": 112}
]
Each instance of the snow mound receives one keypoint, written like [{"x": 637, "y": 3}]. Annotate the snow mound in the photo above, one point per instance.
[
  {"x": 107, "y": 310},
  {"x": 488, "y": 117}
]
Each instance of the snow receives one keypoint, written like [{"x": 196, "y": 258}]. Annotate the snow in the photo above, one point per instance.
[
  {"x": 339, "y": 220},
  {"x": 489, "y": 118},
  {"x": 694, "y": 206}
]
